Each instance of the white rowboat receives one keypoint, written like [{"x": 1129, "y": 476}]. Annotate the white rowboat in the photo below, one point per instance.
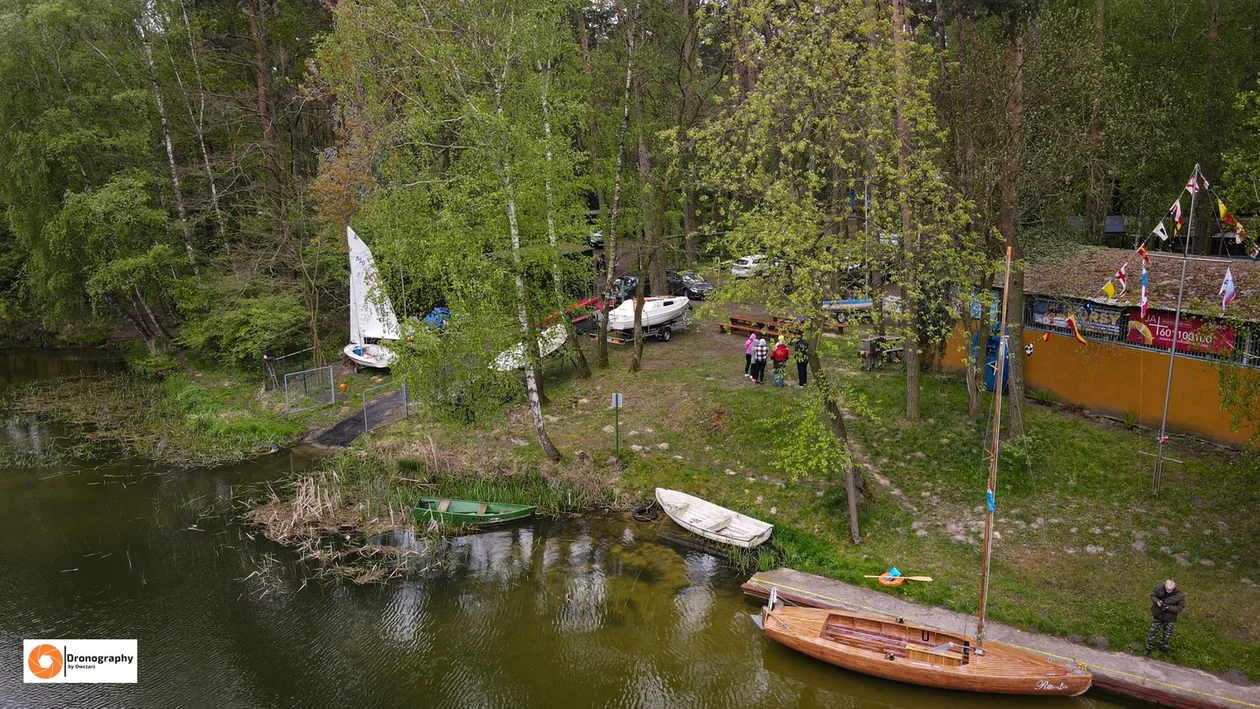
[
  {"x": 376, "y": 356},
  {"x": 712, "y": 522},
  {"x": 656, "y": 311}
]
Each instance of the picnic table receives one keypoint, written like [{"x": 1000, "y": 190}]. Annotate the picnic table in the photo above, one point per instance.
[
  {"x": 877, "y": 350},
  {"x": 771, "y": 326}
]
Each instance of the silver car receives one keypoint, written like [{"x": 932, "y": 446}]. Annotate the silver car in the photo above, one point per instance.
[{"x": 755, "y": 265}]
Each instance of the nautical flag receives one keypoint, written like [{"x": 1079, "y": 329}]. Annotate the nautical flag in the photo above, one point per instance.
[
  {"x": 1206, "y": 186},
  {"x": 1071, "y": 323},
  {"x": 1123, "y": 276},
  {"x": 1175, "y": 210},
  {"x": 1143, "y": 301},
  {"x": 1160, "y": 231},
  {"x": 1192, "y": 185},
  {"x": 1227, "y": 291},
  {"x": 1220, "y": 207},
  {"x": 1143, "y": 253},
  {"x": 1109, "y": 290},
  {"x": 1254, "y": 251},
  {"x": 1045, "y": 337}
]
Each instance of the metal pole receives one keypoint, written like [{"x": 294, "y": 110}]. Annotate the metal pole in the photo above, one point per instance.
[
  {"x": 617, "y": 426},
  {"x": 991, "y": 493},
  {"x": 406, "y": 403},
  {"x": 365, "y": 419},
  {"x": 1158, "y": 475}
]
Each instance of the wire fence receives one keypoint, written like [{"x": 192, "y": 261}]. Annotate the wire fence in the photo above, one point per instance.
[
  {"x": 275, "y": 368},
  {"x": 385, "y": 409},
  {"x": 309, "y": 389}
]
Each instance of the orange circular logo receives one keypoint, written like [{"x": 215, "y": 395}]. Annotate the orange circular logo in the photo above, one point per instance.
[{"x": 35, "y": 661}]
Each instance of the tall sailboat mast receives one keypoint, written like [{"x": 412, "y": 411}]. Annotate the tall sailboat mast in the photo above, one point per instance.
[{"x": 993, "y": 461}]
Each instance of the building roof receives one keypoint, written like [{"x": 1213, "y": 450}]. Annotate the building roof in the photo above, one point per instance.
[{"x": 1082, "y": 273}]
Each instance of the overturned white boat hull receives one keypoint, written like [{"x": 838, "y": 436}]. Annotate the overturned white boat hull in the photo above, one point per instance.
[
  {"x": 656, "y": 311},
  {"x": 711, "y": 521},
  {"x": 549, "y": 341}
]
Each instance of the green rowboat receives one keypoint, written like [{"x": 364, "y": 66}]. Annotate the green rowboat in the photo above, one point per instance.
[{"x": 469, "y": 512}]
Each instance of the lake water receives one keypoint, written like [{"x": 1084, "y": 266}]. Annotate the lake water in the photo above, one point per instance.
[{"x": 591, "y": 611}]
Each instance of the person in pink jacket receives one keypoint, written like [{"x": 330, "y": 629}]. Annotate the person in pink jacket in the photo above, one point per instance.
[{"x": 748, "y": 353}]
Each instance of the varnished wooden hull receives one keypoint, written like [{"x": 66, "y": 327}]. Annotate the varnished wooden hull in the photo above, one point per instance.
[{"x": 864, "y": 643}]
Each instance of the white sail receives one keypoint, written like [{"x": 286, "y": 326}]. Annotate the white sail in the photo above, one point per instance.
[{"x": 371, "y": 315}]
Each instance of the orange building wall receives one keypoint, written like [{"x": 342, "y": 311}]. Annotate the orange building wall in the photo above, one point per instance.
[{"x": 1114, "y": 379}]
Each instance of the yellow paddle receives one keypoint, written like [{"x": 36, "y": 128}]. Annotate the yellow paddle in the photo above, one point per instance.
[{"x": 908, "y": 578}]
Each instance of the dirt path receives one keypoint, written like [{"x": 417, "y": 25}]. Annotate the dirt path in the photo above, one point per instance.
[{"x": 344, "y": 432}]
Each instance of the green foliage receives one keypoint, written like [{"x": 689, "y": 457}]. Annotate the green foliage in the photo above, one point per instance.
[
  {"x": 1042, "y": 396},
  {"x": 240, "y": 331},
  {"x": 147, "y": 362},
  {"x": 807, "y": 449}
]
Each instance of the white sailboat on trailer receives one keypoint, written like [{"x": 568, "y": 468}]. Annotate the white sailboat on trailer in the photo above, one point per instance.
[
  {"x": 371, "y": 314},
  {"x": 712, "y": 521}
]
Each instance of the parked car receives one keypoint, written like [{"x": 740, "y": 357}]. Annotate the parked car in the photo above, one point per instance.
[
  {"x": 622, "y": 289},
  {"x": 754, "y": 265},
  {"x": 688, "y": 283},
  {"x": 596, "y": 240}
]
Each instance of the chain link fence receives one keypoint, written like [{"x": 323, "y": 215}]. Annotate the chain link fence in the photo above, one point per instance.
[
  {"x": 275, "y": 368},
  {"x": 387, "y": 408},
  {"x": 309, "y": 389}
]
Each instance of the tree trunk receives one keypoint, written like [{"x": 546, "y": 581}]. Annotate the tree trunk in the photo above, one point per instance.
[
  {"x": 1209, "y": 129},
  {"x": 269, "y": 146},
  {"x": 530, "y": 338},
  {"x": 169, "y": 144},
  {"x": 1096, "y": 205},
  {"x": 1008, "y": 218},
  {"x": 198, "y": 120},
  {"x": 689, "y": 224},
  {"x": 610, "y": 241},
  {"x": 854, "y": 486},
  {"x": 592, "y": 115},
  {"x": 571, "y": 338},
  {"x": 909, "y": 241}
]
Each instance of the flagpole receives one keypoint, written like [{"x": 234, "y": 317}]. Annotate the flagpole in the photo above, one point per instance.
[{"x": 1158, "y": 476}]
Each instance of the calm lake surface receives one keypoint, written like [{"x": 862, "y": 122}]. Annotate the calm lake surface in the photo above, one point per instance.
[{"x": 594, "y": 611}]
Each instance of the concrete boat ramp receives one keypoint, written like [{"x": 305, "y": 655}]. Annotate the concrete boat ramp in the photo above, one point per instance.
[{"x": 1120, "y": 672}]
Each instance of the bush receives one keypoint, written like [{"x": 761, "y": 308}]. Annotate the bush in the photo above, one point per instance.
[{"x": 241, "y": 332}]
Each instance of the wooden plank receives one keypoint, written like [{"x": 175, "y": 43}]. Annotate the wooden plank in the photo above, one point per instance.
[
  {"x": 444, "y": 504},
  {"x": 481, "y": 509}
]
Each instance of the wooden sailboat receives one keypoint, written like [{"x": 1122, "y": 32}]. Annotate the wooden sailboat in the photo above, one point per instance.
[{"x": 917, "y": 654}]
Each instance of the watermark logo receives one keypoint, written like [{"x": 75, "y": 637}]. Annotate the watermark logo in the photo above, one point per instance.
[
  {"x": 79, "y": 661},
  {"x": 44, "y": 661}
]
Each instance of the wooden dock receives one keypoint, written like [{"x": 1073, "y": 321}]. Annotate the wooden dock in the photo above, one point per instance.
[{"x": 1121, "y": 672}]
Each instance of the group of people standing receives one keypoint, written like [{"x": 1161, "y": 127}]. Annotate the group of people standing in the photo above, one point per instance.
[{"x": 757, "y": 352}]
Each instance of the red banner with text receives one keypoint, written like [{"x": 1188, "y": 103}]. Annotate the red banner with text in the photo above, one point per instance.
[{"x": 1193, "y": 334}]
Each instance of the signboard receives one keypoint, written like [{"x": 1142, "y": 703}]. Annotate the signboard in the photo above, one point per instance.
[
  {"x": 616, "y": 401},
  {"x": 1097, "y": 319},
  {"x": 1193, "y": 334}
]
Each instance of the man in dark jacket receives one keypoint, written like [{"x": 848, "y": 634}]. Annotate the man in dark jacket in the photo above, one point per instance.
[
  {"x": 1166, "y": 602},
  {"x": 801, "y": 354}
]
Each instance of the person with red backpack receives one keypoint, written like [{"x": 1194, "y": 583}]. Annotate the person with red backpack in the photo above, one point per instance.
[{"x": 780, "y": 356}]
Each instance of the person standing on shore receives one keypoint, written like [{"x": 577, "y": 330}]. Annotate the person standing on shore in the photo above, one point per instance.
[
  {"x": 1166, "y": 602},
  {"x": 749, "y": 344},
  {"x": 800, "y": 352},
  {"x": 780, "y": 357},
  {"x": 760, "y": 352}
]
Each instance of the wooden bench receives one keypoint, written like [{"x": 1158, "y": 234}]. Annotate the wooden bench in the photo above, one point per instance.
[
  {"x": 877, "y": 350},
  {"x": 772, "y": 327}
]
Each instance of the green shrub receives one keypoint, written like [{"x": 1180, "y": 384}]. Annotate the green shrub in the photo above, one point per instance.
[{"x": 240, "y": 332}]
